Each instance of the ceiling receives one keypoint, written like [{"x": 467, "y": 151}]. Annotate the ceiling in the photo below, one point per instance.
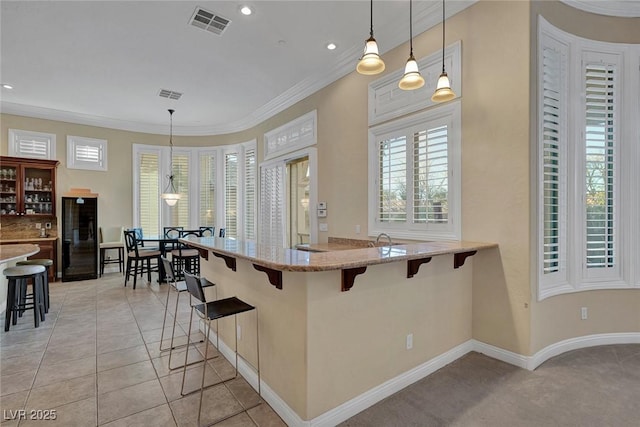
[{"x": 104, "y": 63}]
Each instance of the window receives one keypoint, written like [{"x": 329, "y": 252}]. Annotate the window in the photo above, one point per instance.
[
  {"x": 86, "y": 153},
  {"x": 586, "y": 144},
  {"x": 34, "y": 145},
  {"x": 217, "y": 186},
  {"x": 294, "y": 135},
  {"x": 414, "y": 175}
]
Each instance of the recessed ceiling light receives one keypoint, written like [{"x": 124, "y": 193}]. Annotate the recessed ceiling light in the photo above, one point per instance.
[
  {"x": 246, "y": 10},
  {"x": 7, "y": 86},
  {"x": 331, "y": 46}
]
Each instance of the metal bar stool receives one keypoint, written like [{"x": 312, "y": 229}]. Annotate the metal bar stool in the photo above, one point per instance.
[
  {"x": 209, "y": 311},
  {"x": 18, "y": 277},
  {"x": 46, "y": 263},
  {"x": 178, "y": 287}
]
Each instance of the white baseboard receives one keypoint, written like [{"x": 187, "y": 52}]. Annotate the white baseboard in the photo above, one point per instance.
[{"x": 386, "y": 389}]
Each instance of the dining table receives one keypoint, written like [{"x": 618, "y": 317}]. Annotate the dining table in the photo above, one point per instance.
[{"x": 165, "y": 244}]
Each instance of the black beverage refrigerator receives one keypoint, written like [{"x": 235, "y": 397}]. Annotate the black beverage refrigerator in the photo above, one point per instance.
[{"x": 79, "y": 238}]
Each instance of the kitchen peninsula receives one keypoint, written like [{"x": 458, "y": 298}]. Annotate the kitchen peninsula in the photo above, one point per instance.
[{"x": 334, "y": 327}]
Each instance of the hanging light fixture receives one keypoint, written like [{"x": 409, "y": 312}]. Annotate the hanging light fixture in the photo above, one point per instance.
[
  {"x": 170, "y": 195},
  {"x": 443, "y": 87},
  {"x": 412, "y": 78},
  {"x": 370, "y": 63}
]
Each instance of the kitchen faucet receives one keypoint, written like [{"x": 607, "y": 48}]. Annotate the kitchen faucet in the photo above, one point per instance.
[{"x": 385, "y": 235}]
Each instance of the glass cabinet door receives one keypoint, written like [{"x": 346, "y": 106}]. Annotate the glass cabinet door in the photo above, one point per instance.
[
  {"x": 9, "y": 189},
  {"x": 37, "y": 186}
]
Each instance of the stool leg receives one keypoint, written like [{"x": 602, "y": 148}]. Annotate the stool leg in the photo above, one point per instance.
[
  {"x": 36, "y": 301},
  {"x": 47, "y": 303},
  {"x": 120, "y": 259},
  {"x": 42, "y": 305},
  {"x": 102, "y": 254},
  {"x": 11, "y": 299}
]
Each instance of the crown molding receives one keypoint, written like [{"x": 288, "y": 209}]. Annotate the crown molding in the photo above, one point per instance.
[
  {"x": 619, "y": 8},
  {"x": 427, "y": 18}
]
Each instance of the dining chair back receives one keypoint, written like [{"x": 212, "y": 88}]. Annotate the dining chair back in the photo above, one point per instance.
[
  {"x": 222, "y": 232},
  {"x": 208, "y": 231},
  {"x": 139, "y": 260},
  {"x": 185, "y": 258}
]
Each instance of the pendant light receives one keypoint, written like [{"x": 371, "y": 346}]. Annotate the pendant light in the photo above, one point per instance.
[
  {"x": 170, "y": 195},
  {"x": 412, "y": 78},
  {"x": 370, "y": 63},
  {"x": 443, "y": 87}
]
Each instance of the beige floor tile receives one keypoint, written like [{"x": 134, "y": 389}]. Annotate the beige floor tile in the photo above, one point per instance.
[
  {"x": 77, "y": 414},
  {"x": 125, "y": 376},
  {"x": 17, "y": 381},
  {"x": 62, "y": 393},
  {"x": 119, "y": 342},
  {"x": 65, "y": 371},
  {"x": 172, "y": 383},
  {"x": 161, "y": 364},
  {"x": 127, "y": 401},
  {"x": 159, "y": 416},
  {"x": 25, "y": 336},
  {"x": 61, "y": 353},
  {"x": 29, "y": 362},
  {"x": 154, "y": 335},
  {"x": 240, "y": 420},
  {"x": 264, "y": 416},
  {"x": 217, "y": 404},
  {"x": 242, "y": 391},
  {"x": 127, "y": 356},
  {"x": 72, "y": 339},
  {"x": 22, "y": 349}
]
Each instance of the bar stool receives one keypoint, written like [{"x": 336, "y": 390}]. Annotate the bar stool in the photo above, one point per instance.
[
  {"x": 46, "y": 263},
  {"x": 178, "y": 287},
  {"x": 18, "y": 277},
  {"x": 107, "y": 246},
  {"x": 209, "y": 311}
]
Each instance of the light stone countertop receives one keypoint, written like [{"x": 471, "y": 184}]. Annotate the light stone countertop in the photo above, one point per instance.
[
  {"x": 13, "y": 252},
  {"x": 32, "y": 239},
  {"x": 283, "y": 259}
]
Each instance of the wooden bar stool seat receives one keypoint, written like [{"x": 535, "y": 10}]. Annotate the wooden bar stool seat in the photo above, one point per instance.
[{"x": 18, "y": 278}]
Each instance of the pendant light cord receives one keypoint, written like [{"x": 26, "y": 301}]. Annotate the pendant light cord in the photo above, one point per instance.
[
  {"x": 371, "y": 30},
  {"x": 171, "y": 111},
  {"x": 443, "y": 36},
  {"x": 410, "y": 29}
]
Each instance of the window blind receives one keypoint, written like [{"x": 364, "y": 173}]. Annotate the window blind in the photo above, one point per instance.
[
  {"x": 179, "y": 213},
  {"x": 392, "y": 191},
  {"x": 272, "y": 211},
  {"x": 553, "y": 114},
  {"x": 599, "y": 165},
  {"x": 430, "y": 176},
  {"x": 149, "y": 193},
  {"x": 207, "y": 191},
  {"x": 88, "y": 153},
  {"x": 231, "y": 194},
  {"x": 250, "y": 194}
]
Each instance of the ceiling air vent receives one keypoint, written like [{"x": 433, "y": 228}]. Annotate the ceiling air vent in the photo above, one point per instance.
[
  {"x": 169, "y": 94},
  {"x": 209, "y": 21}
]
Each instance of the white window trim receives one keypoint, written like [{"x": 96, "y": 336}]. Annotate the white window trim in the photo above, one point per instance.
[
  {"x": 74, "y": 163},
  {"x": 626, "y": 275},
  {"x": 15, "y": 135},
  {"x": 279, "y": 141},
  {"x": 452, "y": 112},
  {"x": 137, "y": 150}
]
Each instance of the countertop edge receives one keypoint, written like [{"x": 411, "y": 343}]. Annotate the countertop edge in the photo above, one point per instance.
[
  {"x": 352, "y": 258},
  {"x": 24, "y": 240},
  {"x": 22, "y": 250}
]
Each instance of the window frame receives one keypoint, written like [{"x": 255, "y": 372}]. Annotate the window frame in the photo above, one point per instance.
[
  {"x": 449, "y": 114},
  {"x": 576, "y": 277},
  {"x": 74, "y": 163},
  {"x": 15, "y": 135}
]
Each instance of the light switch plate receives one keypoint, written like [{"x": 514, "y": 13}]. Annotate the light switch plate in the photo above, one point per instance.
[
  {"x": 47, "y": 226},
  {"x": 322, "y": 213},
  {"x": 322, "y": 205}
]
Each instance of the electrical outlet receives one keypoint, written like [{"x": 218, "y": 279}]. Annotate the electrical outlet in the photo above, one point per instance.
[
  {"x": 38, "y": 226},
  {"x": 584, "y": 313},
  {"x": 409, "y": 341},
  {"x": 358, "y": 229},
  {"x": 47, "y": 225}
]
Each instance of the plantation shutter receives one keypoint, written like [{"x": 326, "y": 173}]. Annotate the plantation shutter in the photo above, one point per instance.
[
  {"x": 553, "y": 162},
  {"x": 431, "y": 176},
  {"x": 179, "y": 214},
  {"x": 36, "y": 145},
  {"x": 250, "y": 194},
  {"x": 600, "y": 165},
  {"x": 272, "y": 213},
  {"x": 149, "y": 192},
  {"x": 207, "y": 190},
  {"x": 392, "y": 186},
  {"x": 231, "y": 194}
]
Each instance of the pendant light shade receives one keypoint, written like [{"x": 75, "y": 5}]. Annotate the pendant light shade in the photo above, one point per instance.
[
  {"x": 443, "y": 91},
  {"x": 370, "y": 63},
  {"x": 412, "y": 79},
  {"x": 170, "y": 195}
]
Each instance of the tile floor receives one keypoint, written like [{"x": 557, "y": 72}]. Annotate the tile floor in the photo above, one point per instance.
[{"x": 96, "y": 361}]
